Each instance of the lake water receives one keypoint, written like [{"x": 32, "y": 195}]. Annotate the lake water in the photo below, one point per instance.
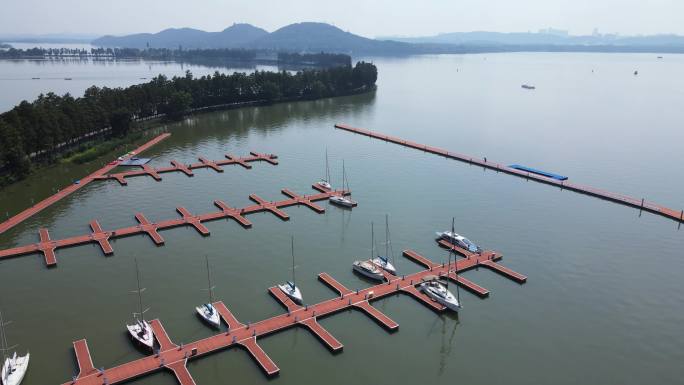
[{"x": 604, "y": 302}]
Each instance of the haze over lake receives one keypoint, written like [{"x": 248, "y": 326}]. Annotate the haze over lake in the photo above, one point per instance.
[{"x": 603, "y": 303}]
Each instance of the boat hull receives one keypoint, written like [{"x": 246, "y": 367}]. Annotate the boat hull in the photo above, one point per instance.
[
  {"x": 342, "y": 202},
  {"x": 19, "y": 364},
  {"x": 385, "y": 265},
  {"x": 450, "y": 302},
  {"x": 375, "y": 275},
  {"x": 212, "y": 319},
  {"x": 145, "y": 340},
  {"x": 295, "y": 295}
]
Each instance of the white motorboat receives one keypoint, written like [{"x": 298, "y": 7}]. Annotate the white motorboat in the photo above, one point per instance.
[
  {"x": 141, "y": 331},
  {"x": 383, "y": 261},
  {"x": 13, "y": 367},
  {"x": 207, "y": 311},
  {"x": 290, "y": 288},
  {"x": 341, "y": 200},
  {"x": 368, "y": 269},
  {"x": 325, "y": 182},
  {"x": 439, "y": 292},
  {"x": 459, "y": 240}
]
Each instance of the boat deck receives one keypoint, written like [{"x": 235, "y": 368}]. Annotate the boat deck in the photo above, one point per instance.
[{"x": 174, "y": 358}]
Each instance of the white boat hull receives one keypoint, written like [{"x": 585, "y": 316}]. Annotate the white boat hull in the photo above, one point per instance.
[
  {"x": 447, "y": 299},
  {"x": 342, "y": 201},
  {"x": 144, "y": 337},
  {"x": 324, "y": 185},
  {"x": 211, "y": 317},
  {"x": 369, "y": 270},
  {"x": 292, "y": 292},
  {"x": 13, "y": 369},
  {"x": 385, "y": 265}
]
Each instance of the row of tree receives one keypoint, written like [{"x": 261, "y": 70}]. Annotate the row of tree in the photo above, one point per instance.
[
  {"x": 314, "y": 59},
  {"x": 51, "y": 124}
]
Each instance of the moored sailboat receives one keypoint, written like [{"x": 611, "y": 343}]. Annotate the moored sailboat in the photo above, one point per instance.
[
  {"x": 325, "y": 182},
  {"x": 368, "y": 268},
  {"x": 207, "y": 311},
  {"x": 384, "y": 261},
  {"x": 14, "y": 367},
  {"x": 341, "y": 200},
  {"x": 141, "y": 331},
  {"x": 290, "y": 287}
]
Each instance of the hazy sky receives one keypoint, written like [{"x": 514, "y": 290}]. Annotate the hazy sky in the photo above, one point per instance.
[{"x": 365, "y": 17}]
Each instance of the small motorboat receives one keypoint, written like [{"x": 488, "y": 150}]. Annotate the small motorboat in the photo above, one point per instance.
[
  {"x": 368, "y": 269},
  {"x": 459, "y": 241},
  {"x": 207, "y": 311},
  {"x": 142, "y": 333},
  {"x": 383, "y": 261},
  {"x": 209, "y": 314},
  {"x": 14, "y": 369},
  {"x": 439, "y": 292},
  {"x": 290, "y": 288},
  {"x": 528, "y": 87}
]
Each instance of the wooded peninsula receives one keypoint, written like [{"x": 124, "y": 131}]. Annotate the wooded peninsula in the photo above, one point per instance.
[{"x": 43, "y": 130}]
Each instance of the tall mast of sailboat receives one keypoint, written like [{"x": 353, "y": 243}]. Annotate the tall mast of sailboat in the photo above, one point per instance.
[
  {"x": 3, "y": 341},
  {"x": 387, "y": 240},
  {"x": 137, "y": 275},
  {"x": 211, "y": 288},
  {"x": 327, "y": 169},
  {"x": 372, "y": 242},
  {"x": 293, "y": 262},
  {"x": 458, "y": 292}
]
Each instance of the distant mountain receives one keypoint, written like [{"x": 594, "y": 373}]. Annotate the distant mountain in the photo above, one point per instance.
[
  {"x": 317, "y": 37},
  {"x": 234, "y": 36},
  {"x": 483, "y": 38}
]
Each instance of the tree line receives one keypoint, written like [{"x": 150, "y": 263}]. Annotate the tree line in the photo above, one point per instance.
[
  {"x": 42, "y": 129},
  {"x": 314, "y": 59}
]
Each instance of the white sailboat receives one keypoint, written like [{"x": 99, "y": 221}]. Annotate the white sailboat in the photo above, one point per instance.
[
  {"x": 368, "y": 268},
  {"x": 14, "y": 367},
  {"x": 207, "y": 311},
  {"x": 290, "y": 288},
  {"x": 325, "y": 182},
  {"x": 459, "y": 240},
  {"x": 439, "y": 291},
  {"x": 341, "y": 200},
  {"x": 384, "y": 261},
  {"x": 141, "y": 331}
]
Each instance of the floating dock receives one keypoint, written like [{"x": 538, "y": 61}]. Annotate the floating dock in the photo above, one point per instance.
[
  {"x": 640, "y": 204},
  {"x": 45, "y": 203},
  {"x": 47, "y": 246},
  {"x": 173, "y": 357}
]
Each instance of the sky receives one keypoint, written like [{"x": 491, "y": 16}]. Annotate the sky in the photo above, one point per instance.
[{"x": 370, "y": 18}]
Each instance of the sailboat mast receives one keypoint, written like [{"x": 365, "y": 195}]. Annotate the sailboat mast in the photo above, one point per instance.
[
  {"x": 3, "y": 339},
  {"x": 137, "y": 275},
  {"x": 211, "y": 294},
  {"x": 293, "y": 262},
  {"x": 327, "y": 169},
  {"x": 387, "y": 238},
  {"x": 458, "y": 292},
  {"x": 372, "y": 242}
]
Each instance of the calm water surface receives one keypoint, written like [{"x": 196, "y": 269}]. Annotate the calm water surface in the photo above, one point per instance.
[{"x": 604, "y": 300}]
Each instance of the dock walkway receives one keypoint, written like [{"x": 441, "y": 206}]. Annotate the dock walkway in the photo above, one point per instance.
[
  {"x": 640, "y": 204},
  {"x": 174, "y": 358}
]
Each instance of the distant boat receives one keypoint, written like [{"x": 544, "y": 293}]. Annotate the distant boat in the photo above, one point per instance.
[
  {"x": 207, "y": 311},
  {"x": 636, "y": 73},
  {"x": 325, "y": 182},
  {"x": 341, "y": 200},
  {"x": 384, "y": 261},
  {"x": 141, "y": 331},
  {"x": 290, "y": 288},
  {"x": 528, "y": 87},
  {"x": 35, "y": 78},
  {"x": 14, "y": 367},
  {"x": 660, "y": 57},
  {"x": 67, "y": 79}
]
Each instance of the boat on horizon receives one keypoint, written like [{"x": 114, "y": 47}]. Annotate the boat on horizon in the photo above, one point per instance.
[
  {"x": 141, "y": 331},
  {"x": 207, "y": 311},
  {"x": 14, "y": 367},
  {"x": 528, "y": 87},
  {"x": 290, "y": 287}
]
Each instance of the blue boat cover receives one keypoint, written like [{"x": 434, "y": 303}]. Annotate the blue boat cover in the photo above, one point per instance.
[{"x": 538, "y": 172}]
